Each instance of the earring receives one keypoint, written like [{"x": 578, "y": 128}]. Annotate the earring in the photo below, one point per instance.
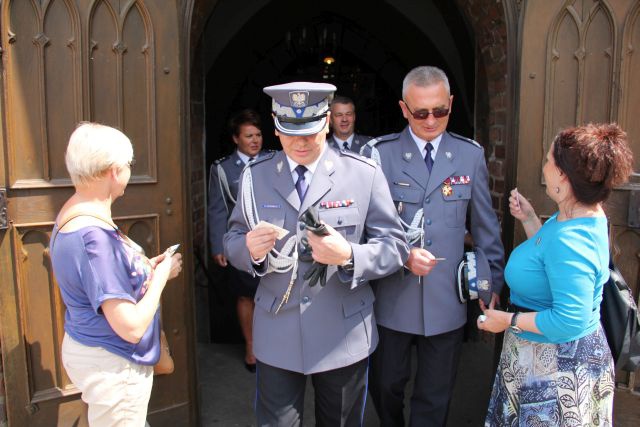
[{"x": 557, "y": 190}]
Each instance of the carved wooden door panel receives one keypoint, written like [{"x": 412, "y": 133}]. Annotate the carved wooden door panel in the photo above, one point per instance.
[
  {"x": 65, "y": 61},
  {"x": 580, "y": 64}
]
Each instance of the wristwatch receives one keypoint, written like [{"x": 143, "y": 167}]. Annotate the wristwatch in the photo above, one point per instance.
[
  {"x": 514, "y": 320},
  {"x": 348, "y": 264}
]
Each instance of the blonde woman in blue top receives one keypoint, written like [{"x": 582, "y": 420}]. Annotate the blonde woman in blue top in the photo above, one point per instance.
[
  {"x": 556, "y": 368},
  {"x": 110, "y": 289}
]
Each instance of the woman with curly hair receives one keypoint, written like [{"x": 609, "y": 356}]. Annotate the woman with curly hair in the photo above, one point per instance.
[{"x": 556, "y": 367}]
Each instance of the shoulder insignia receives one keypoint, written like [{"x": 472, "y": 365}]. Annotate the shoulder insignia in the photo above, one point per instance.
[
  {"x": 465, "y": 139},
  {"x": 383, "y": 138},
  {"x": 220, "y": 160},
  {"x": 266, "y": 155},
  {"x": 357, "y": 156}
]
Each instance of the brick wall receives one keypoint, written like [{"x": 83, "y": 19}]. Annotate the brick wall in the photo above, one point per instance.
[{"x": 487, "y": 18}]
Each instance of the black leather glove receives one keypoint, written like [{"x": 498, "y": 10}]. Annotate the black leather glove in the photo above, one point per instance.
[{"x": 317, "y": 273}]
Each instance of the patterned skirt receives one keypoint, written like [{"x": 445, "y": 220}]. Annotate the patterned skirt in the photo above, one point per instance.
[{"x": 569, "y": 384}]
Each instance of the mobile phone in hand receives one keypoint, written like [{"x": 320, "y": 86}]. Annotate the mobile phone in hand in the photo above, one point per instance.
[{"x": 172, "y": 249}]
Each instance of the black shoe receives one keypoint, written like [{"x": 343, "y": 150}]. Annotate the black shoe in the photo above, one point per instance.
[{"x": 251, "y": 367}]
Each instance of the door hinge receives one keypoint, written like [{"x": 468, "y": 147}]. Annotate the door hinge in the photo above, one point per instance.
[{"x": 4, "y": 220}]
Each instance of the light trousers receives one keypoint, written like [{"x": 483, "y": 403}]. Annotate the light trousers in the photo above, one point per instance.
[{"x": 117, "y": 390}]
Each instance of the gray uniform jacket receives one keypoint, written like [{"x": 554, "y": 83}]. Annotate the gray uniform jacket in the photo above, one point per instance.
[
  {"x": 358, "y": 142},
  {"x": 432, "y": 308},
  {"x": 320, "y": 328},
  {"x": 220, "y": 204}
]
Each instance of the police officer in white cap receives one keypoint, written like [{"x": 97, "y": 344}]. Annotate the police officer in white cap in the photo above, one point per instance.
[{"x": 302, "y": 328}]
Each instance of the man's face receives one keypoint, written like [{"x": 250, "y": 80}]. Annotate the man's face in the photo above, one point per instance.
[
  {"x": 426, "y": 98},
  {"x": 249, "y": 140},
  {"x": 343, "y": 120},
  {"x": 303, "y": 150}
]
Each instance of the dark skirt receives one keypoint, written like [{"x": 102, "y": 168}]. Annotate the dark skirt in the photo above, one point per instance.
[
  {"x": 242, "y": 284},
  {"x": 569, "y": 384}
]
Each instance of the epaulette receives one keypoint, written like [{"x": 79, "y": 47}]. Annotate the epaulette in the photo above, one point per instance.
[
  {"x": 465, "y": 139},
  {"x": 220, "y": 160},
  {"x": 383, "y": 138},
  {"x": 266, "y": 156},
  {"x": 357, "y": 156}
]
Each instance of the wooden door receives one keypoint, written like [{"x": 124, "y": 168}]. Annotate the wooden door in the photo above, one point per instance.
[
  {"x": 580, "y": 63},
  {"x": 65, "y": 61}
]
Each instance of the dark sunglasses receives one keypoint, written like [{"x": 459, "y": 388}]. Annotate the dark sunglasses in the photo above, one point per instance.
[{"x": 438, "y": 113}]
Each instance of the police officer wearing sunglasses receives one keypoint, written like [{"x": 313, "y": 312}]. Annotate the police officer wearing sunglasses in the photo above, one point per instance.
[{"x": 436, "y": 179}]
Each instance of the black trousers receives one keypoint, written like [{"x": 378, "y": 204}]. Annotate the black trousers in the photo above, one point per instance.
[
  {"x": 438, "y": 358},
  {"x": 340, "y": 396}
]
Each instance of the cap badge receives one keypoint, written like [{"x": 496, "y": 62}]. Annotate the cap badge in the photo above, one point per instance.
[
  {"x": 408, "y": 156},
  {"x": 238, "y": 162},
  {"x": 279, "y": 166},
  {"x": 299, "y": 99}
]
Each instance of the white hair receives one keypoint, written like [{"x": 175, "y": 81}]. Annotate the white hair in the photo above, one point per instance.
[
  {"x": 93, "y": 149},
  {"x": 425, "y": 76}
]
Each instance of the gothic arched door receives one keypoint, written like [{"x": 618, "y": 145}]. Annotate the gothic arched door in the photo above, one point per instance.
[
  {"x": 580, "y": 64},
  {"x": 63, "y": 61}
]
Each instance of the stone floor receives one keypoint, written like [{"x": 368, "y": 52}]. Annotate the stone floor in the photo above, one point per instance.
[{"x": 227, "y": 389}]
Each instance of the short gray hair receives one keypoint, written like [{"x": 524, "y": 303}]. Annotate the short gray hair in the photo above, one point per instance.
[
  {"x": 425, "y": 76},
  {"x": 93, "y": 149}
]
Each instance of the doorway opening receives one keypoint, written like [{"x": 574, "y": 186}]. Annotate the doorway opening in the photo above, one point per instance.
[
  {"x": 238, "y": 52},
  {"x": 244, "y": 51}
]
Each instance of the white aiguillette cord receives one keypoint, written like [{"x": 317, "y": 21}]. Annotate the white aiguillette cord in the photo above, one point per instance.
[{"x": 279, "y": 261}]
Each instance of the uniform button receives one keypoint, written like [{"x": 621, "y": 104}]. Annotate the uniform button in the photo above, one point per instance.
[
  {"x": 301, "y": 226},
  {"x": 459, "y": 196},
  {"x": 428, "y": 221},
  {"x": 427, "y": 200},
  {"x": 305, "y": 300},
  {"x": 401, "y": 197},
  {"x": 361, "y": 302},
  {"x": 428, "y": 242},
  {"x": 340, "y": 220}
]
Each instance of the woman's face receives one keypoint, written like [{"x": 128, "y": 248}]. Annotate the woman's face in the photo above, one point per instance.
[
  {"x": 552, "y": 175},
  {"x": 121, "y": 178},
  {"x": 249, "y": 140}
]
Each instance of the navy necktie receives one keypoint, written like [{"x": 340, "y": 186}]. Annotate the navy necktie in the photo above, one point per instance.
[
  {"x": 427, "y": 158},
  {"x": 301, "y": 183},
  {"x": 345, "y": 146}
]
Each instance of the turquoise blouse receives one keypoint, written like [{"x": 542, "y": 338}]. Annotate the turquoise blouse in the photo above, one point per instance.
[{"x": 559, "y": 272}]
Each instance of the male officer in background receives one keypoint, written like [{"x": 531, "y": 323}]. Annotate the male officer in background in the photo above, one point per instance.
[
  {"x": 325, "y": 332},
  {"x": 446, "y": 177},
  {"x": 223, "y": 189},
  {"x": 343, "y": 124}
]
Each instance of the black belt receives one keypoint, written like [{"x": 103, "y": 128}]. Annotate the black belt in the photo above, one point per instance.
[{"x": 512, "y": 308}]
